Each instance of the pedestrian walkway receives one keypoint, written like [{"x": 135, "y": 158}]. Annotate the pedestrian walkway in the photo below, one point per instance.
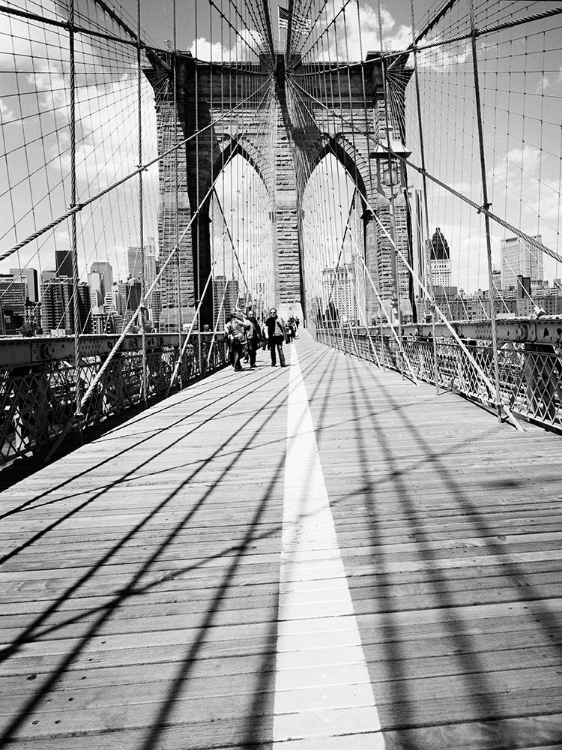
[{"x": 316, "y": 557}]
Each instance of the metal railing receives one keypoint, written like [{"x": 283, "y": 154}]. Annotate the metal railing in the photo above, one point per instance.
[
  {"x": 38, "y": 382},
  {"x": 530, "y": 373}
]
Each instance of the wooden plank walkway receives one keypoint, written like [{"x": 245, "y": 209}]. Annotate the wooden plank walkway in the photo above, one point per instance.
[{"x": 197, "y": 578}]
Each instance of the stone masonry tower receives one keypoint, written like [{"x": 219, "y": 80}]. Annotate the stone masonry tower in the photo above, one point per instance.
[{"x": 302, "y": 134}]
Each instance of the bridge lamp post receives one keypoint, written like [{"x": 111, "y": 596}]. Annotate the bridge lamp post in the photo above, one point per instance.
[{"x": 391, "y": 181}]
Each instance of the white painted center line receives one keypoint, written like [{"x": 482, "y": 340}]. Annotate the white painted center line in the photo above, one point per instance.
[{"x": 323, "y": 693}]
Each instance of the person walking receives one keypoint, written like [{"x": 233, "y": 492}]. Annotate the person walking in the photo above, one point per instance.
[
  {"x": 236, "y": 331},
  {"x": 291, "y": 327},
  {"x": 254, "y": 337},
  {"x": 275, "y": 332}
]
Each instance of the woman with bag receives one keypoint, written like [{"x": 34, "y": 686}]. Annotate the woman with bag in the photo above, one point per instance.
[
  {"x": 254, "y": 337},
  {"x": 236, "y": 331}
]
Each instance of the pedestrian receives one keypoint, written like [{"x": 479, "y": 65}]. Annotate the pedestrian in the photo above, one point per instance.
[
  {"x": 291, "y": 327},
  {"x": 297, "y": 324},
  {"x": 236, "y": 331},
  {"x": 275, "y": 332},
  {"x": 254, "y": 337}
]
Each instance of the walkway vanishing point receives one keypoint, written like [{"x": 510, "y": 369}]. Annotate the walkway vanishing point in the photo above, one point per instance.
[{"x": 216, "y": 573}]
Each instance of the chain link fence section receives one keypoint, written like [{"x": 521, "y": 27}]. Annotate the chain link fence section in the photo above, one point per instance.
[
  {"x": 37, "y": 398},
  {"x": 530, "y": 374}
]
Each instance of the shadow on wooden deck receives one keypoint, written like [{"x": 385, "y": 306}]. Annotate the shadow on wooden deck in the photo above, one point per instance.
[{"x": 140, "y": 573}]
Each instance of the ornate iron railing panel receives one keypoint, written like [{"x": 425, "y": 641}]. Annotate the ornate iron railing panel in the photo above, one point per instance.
[
  {"x": 530, "y": 374},
  {"x": 38, "y": 383}
]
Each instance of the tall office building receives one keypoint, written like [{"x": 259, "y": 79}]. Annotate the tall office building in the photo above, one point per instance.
[
  {"x": 231, "y": 296},
  {"x": 150, "y": 264},
  {"x": 12, "y": 305},
  {"x": 115, "y": 300},
  {"x": 219, "y": 315},
  {"x": 47, "y": 276},
  {"x": 63, "y": 259},
  {"x": 132, "y": 291},
  {"x": 440, "y": 260},
  {"x": 30, "y": 278},
  {"x": 134, "y": 261},
  {"x": 520, "y": 258},
  {"x": 105, "y": 274},
  {"x": 57, "y": 306},
  {"x": 225, "y": 299},
  {"x": 96, "y": 296},
  {"x": 338, "y": 286},
  {"x": 12, "y": 302}
]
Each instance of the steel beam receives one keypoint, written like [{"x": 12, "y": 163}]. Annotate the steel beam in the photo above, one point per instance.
[
  {"x": 543, "y": 330},
  {"x": 16, "y": 352}
]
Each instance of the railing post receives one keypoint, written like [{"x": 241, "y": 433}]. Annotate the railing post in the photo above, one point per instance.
[{"x": 435, "y": 359}]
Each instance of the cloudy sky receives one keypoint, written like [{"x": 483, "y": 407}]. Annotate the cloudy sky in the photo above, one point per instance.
[{"x": 521, "y": 132}]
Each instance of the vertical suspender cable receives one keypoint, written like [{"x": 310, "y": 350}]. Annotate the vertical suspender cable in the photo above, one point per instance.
[
  {"x": 74, "y": 244},
  {"x": 486, "y": 206},
  {"x": 199, "y": 224},
  {"x": 394, "y": 255},
  {"x": 174, "y": 125},
  {"x": 141, "y": 211},
  {"x": 426, "y": 252},
  {"x": 368, "y": 135},
  {"x": 337, "y": 273}
]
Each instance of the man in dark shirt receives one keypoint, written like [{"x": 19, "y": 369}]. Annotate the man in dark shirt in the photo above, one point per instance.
[{"x": 275, "y": 331}]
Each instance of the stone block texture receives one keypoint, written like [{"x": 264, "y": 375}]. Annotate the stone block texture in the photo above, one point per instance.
[{"x": 223, "y": 111}]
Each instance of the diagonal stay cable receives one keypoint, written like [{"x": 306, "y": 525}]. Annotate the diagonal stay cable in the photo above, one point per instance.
[
  {"x": 163, "y": 267},
  {"x": 455, "y": 335},
  {"x": 80, "y": 206},
  {"x": 480, "y": 209}
]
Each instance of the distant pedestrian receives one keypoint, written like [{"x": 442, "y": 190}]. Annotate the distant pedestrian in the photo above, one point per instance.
[
  {"x": 291, "y": 328},
  {"x": 275, "y": 332},
  {"x": 297, "y": 324},
  {"x": 254, "y": 337},
  {"x": 237, "y": 330}
]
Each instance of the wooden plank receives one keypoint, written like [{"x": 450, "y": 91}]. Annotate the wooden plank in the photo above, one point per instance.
[
  {"x": 140, "y": 577},
  {"x": 459, "y": 521}
]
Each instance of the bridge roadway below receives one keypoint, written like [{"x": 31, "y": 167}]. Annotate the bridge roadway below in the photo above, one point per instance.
[{"x": 320, "y": 557}]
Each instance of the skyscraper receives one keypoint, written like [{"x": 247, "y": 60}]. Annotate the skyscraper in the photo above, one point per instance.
[
  {"x": 134, "y": 261},
  {"x": 520, "y": 258},
  {"x": 231, "y": 296},
  {"x": 28, "y": 276},
  {"x": 63, "y": 260},
  {"x": 338, "y": 286},
  {"x": 12, "y": 294},
  {"x": 58, "y": 306},
  {"x": 105, "y": 272},
  {"x": 219, "y": 287},
  {"x": 440, "y": 260}
]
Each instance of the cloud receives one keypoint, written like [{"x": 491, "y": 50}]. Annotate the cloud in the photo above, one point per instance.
[
  {"x": 62, "y": 236},
  {"x": 335, "y": 23},
  {"x": 247, "y": 46},
  {"x": 445, "y": 57},
  {"x": 360, "y": 30},
  {"x": 543, "y": 85},
  {"x": 35, "y": 59},
  {"x": 526, "y": 159},
  {"x": 5, "y": 112}
]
